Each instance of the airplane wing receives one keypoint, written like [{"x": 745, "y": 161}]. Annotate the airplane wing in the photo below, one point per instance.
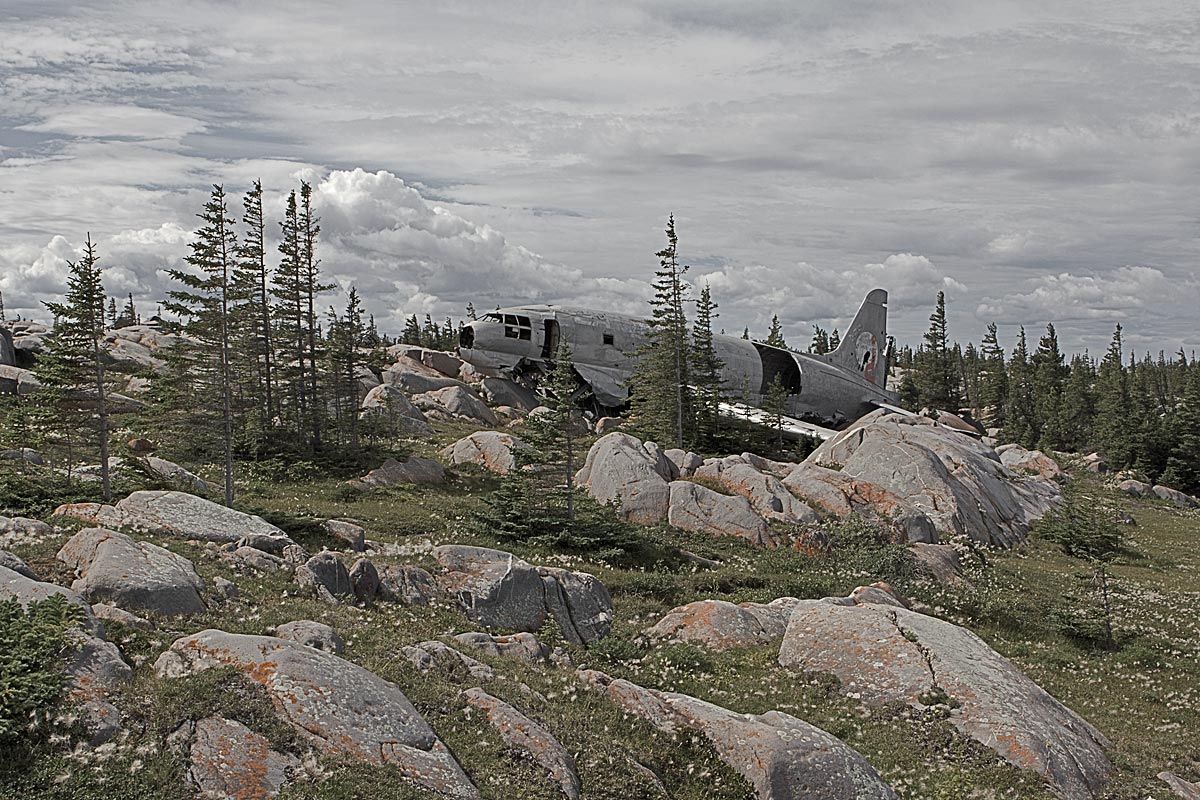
[
  {"x": 792, "y": 426},
  {"x": 607, "y": 384},
  {"x": 902, "y": 411}
]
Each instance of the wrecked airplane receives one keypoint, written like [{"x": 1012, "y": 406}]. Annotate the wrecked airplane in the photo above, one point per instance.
[{"x": 824, "y": 391}]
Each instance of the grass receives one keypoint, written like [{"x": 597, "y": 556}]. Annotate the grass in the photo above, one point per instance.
[{"x": 1144, "y": 694}]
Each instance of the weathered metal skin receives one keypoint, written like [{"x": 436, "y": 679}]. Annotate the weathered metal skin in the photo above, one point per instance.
[{"x": 835, "y": 388}]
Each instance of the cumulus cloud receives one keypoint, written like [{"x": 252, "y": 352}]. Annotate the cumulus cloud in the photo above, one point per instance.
[{"x": 1125, "y": 293}]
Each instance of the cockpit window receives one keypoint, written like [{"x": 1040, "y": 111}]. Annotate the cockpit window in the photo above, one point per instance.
[
  {"x": 517, "y": 327},
  {"x": 492, "y": 317}
]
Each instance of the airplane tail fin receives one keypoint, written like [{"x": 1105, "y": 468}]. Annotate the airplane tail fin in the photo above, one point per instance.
[{"x": 864, "y": 344}]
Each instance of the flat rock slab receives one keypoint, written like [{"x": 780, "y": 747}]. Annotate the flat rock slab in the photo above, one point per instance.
[
  {"x": 698, "y": 509},
  {"x": 189, "y": 517},
  {"x": 311, "y": 634},
  {"x": 721, "y": 625},
  {"x": 492, "y": 450},
  {"x": 394, "y": 473},
  {"x": 768, "y": 496},
  {"x": 136, "y": 576},
  {"x": 519, "y": 731},
  {"x": 885, "y": 653},
  {"x": 522, "y": 646},
  {"x": 228, "y": 761},
  {"x": 783, "y": 758},
  {"x": 505, "y": 593},
  {"x": 341, "y": 708}
]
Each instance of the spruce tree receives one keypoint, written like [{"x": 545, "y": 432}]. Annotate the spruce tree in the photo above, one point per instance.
[
  {"x": 254, "y": 284},
  {"x": 208, "y": 299},
  {"x": 993, "y": 392},
  {"x": 820, "y": 341},
  {"x": 1078, "y": 407},
  {"x": 1049, "y": 377},
  {"x": 1112, "y": 428},
  {"x": 112, "y": 312},
  {"x": 775, "y": 334},
  {"x": 1019, "y": 426},
  {"x": 309, "y": 228},
  {"x": 661, "y": 397},
  {"x": 287, "y": 288},
  {"x": 346, "y": 336},
  {"x": 835, "y": 340},
  {"x": 775, "y": 408},
  {"x": 1183, "y": 463},
  {"x": 72, "y": 365},
  {"x": 935, "y": 372},
  {"x": 554, "y": 435},
  {"x": 412, "y": 332},
  {"x": 705, "y": 371}
]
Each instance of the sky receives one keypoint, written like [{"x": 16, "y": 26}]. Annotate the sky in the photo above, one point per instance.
[{"x": 1036, "y": 161}]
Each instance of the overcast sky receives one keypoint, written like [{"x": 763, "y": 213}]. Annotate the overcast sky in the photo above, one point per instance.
[{"x": 1038, "y": 161}]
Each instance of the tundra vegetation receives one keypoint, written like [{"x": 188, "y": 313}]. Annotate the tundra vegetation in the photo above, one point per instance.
[{"x": 267, "y": 404}]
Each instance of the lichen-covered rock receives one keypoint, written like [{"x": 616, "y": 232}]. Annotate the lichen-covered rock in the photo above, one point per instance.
[
  {"x": 228, "y": 761},
  {"x": 492, "y": 450},
  {"x": 110, "y": 613},
  {"x": 885, "y": 653},
  {"x": 311, "y": 634},
  {"x": 250, "y": 559},
  {"x": 698, "y": 509},
  {"x": 440, "y": 657},
  {"x": 519, "y": 731},
  {"x": 843, "y": 495},
  {"x": 1019, "y": 460},
  {"x": 619, "y": 471},
  {"x": 1135, "y": 488},
  {"x": 955, "y": 480},
  {"x": 579, "y": 603},
  {"x": 186, "y": 516},
  {"x": 782, "y": 757},
  {"x": 341, "y": 708},
  {"x": 326, "y": 576},
  {"x": 722, "y": 625},
  {"x": 766, "y": 493},
  {"x": 523, "y": 646},
  {"x": 939, "y": 561},
  {"x": 494, "y": 588},
  {"x": 416, "y": 378},
  {"x": 404, "y": 583},
  {"x": 351, "y": 533},
  {"x": 389, "y": 405},
  {"x": 1175, "y": 497},
  {"x": 100, "y": 515},
  {"x": 138, "y": 576},
  {"x": 686, "y": 462},
  {"x": 505, "y": 593},
  {"x": 23, "y": 530},
  {"x": 364, "y": 578},
  {"x": 393, "y": 472},
  {"x": 92, "y": 668}
]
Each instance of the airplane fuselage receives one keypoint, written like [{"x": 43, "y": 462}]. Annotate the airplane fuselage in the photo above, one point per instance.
[{"x": 520, "y": 341}]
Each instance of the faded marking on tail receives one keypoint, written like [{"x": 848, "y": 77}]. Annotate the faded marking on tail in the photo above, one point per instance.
[{"x": 862, "y": 347}]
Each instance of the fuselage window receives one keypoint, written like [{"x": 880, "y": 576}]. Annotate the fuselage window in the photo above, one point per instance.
[
  {"x": 608, "y": 338},
  {"x": 517, "y": 327}
]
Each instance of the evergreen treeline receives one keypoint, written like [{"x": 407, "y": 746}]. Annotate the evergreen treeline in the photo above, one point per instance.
[{"x": 1142, "y": 413}]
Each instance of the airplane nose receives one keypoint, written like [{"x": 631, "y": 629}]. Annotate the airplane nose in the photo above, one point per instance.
[{"x": 466, "y": 337}]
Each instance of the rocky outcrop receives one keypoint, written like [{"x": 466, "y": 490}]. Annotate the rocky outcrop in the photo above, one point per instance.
[
  {"x": 457, "y": 401},
  {"x": 312, "y": 634},
  {"x": 438, "y": 360},
  {"x": 16, "y": 564},
  {"x": 955, "y": 480},
  {"x": 228, "y": 761},
  {"x": 504, "y": 593},
  {"x": 387, "y": 403},
  {"x": 99, "y": 514},
  {"x": 886, "y": 653},
  {"x": 842, "y": 495},
  {"x": 522, "y": 733},
  {"x": 783, "y": 758},
  {"x": 143, "y": 345},
  {"x": 137, "y": 576},
  {"x": 619, "y": 471},
  {"x": 698, "y": 509},
  {"x": 492, "y": 450},
  {"x": 364, "y": 580},
  {"x": 416, "y": 378},
  {"x": 768, "y": 496},
  {"x": 393, "y": 473},
  {"x": 1135, "y": 488},
  {"x": 522, "y": 646},
  {"x": 23, "y": 530},
  {"x": 722, "y": 625},
  {"x": 339, "y": 707},
  {"x": 14, "y": 380}
]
